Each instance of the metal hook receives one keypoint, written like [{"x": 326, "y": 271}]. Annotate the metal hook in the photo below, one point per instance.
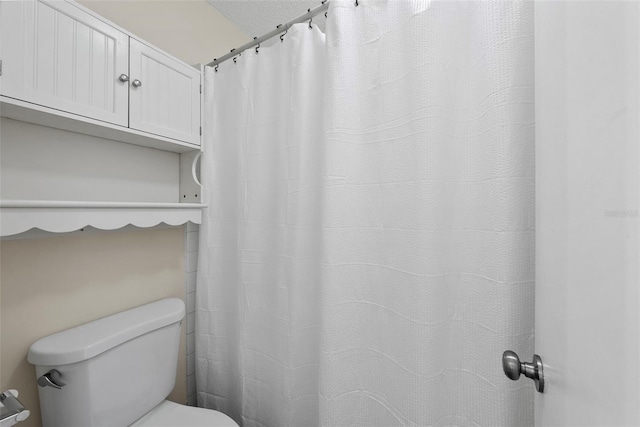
[
  {"x": 325, "y": 14},
  {"x": 357, "y": 3},
  {"x": 284, "y": 34},
  {"x": 217, "y": 65},
  {"x": 310, "y": 19},
  {"x": 257, "y": 47}
]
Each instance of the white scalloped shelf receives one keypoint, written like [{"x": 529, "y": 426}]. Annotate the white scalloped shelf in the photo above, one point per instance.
[{"x": 18, "y": 216}]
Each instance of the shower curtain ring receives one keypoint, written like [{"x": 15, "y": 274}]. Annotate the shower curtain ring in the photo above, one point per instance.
[
  {"x": 357, "y": 3},
  {"x": 310, "y": 19},
  {"x": 217, "y": 65},
  {"x": 281, "y": 35},
  {"x": 325, "y": 14},
  {"x": 257, "y": 47}
]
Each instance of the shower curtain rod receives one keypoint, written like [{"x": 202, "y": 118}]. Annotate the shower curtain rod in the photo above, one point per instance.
[{"x": 279, "y": 29}]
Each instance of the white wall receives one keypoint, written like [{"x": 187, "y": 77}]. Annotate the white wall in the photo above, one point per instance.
[
  {"x": 41, "y": 163},
  {"x": 190, "y": 30}
]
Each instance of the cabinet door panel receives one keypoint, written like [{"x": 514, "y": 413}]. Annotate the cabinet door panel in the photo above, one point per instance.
[
  {"x": 168, "y": 101},
  {"x": 57, "y": 55}
]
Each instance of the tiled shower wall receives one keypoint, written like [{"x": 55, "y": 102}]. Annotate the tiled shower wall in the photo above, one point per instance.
[{"x": 191, "y": 264}]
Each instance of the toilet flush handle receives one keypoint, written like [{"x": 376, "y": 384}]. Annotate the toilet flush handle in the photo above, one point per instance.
[{"x": 51, "y": 379}]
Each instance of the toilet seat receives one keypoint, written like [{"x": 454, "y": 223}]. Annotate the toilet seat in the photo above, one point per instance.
[{"x": 171, "y": 414}]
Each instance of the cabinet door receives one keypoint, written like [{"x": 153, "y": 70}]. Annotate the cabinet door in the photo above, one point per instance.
[
  {"x": 167, "y": 101},
  {"x": 57, "y": 55}
]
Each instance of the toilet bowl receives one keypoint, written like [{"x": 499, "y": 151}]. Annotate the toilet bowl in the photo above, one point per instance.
[
  {"x": 117, "y": 371},
  {"x": 170, "y": 414}
]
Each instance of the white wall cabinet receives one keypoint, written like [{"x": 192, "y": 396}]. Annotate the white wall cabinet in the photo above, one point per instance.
[
  {"x": 165, "y": 95},
  {"x": 59, "y": 56},
  {"x": 55, "y": 55},
  {"x": 65, "y": 67}
]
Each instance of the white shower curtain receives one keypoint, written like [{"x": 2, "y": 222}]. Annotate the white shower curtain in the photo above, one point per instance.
[{"x": 367, "y": 254}]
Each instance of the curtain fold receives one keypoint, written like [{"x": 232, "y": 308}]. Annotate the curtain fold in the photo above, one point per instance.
[{"x": 368, "y": 254}]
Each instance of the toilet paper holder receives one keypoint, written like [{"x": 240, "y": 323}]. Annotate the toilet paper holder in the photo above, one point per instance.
[{"x": 12, "y": 410}]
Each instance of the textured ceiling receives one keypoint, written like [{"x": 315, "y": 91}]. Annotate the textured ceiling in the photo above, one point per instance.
[{"x": 256, "y": 17}]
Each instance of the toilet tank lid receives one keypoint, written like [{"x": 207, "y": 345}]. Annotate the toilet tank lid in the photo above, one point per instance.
[{"x": 90, "y": 339}]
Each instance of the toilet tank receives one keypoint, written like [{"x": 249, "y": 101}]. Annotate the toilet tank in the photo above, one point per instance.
[{"x": 115, "y": 369}]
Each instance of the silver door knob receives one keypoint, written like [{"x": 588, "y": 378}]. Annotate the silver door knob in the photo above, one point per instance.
[
  {"x": 136, "y": 83},
  {"x": 123, "y": 78},
  {"x": 513, "y": 367},
  {"x": 51, "y": 379}
]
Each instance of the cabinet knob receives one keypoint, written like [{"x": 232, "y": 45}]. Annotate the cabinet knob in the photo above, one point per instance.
[
  {"x": 123, "y": 78},
  {"x": 136, "y": 83}
]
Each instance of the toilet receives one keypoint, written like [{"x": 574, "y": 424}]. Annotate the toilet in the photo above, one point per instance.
[{"x": 117, "y": 371}]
